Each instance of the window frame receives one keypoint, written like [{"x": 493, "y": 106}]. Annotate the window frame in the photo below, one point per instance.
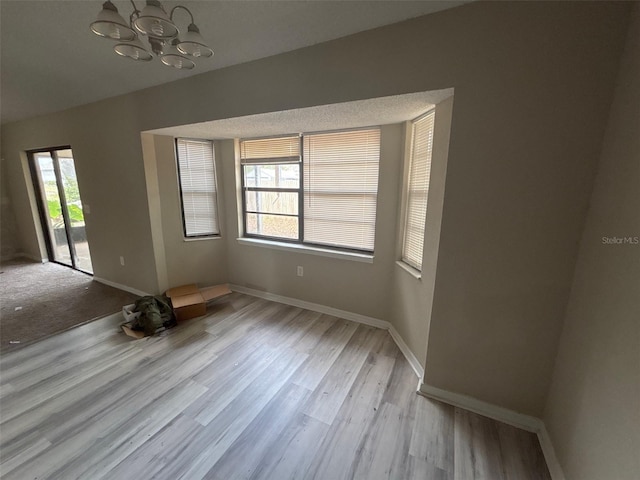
[
  {"x": 185, "y": 234},
  {"x": 301, "y": 194},
  {"x": 244, "y": 188},
  {"x": 404, "y": 262}
]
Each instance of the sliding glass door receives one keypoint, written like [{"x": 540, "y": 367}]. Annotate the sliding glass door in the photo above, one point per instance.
[{"x": 61, "y": 207}]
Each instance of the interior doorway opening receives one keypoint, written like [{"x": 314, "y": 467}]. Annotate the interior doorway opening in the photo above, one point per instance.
[{"x": 60, "y": 207}]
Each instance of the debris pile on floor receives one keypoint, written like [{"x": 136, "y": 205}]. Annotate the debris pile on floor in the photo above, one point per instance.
[{"x": 153, "y": 314}]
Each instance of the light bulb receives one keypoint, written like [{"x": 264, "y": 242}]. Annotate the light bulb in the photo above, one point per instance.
[
  {"x": 114, "y": 32},
  {"x": 133, "y": 49},
  {"x": 193, "y": 44},
  {"x": 157, "y": 29},
  {"x": 110, "y": 24}
]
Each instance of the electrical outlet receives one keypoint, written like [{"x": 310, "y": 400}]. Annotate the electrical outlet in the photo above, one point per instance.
[
  {"x": 300, "y": 271},
  {"x": 122, "y": 261}
]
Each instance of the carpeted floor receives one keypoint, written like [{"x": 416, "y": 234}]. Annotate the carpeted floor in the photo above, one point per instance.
[{"x": 38, "y": 300}]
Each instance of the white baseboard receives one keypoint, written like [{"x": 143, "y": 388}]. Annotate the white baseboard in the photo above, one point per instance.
[
  {"x": 555, "y": 470},
  {"x": 315, "y": 307},
  {"x": 119, "y": 286},
  {"x": 504, "y": 415},
  {"x": 519, "y": 420},
  {"x": 355, "y": 317},
  {"x": 406, "y": 351}
]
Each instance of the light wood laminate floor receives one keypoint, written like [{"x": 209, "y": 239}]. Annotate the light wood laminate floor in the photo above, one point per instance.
[{"x": 254, "y": 390}]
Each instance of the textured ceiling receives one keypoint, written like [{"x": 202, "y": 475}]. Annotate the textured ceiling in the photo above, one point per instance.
[
  {"x": 361, "y": 113},
  {"x": 51, "y": 61}
]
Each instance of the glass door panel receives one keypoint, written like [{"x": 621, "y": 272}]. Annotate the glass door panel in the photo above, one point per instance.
[
  {"x": 54, "y": 175},
  {"x": 53, "y": 209},
  {"x": 74, "y": 209}
]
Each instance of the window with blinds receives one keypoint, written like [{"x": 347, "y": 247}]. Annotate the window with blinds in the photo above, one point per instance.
[
  {"x": 417, "y": 190},
  {"x": 327, "y": 196},
  {"x": 341, "y": 188},
  {"x": 198, "y": 191},
  {"x": 271, "y": 187}
]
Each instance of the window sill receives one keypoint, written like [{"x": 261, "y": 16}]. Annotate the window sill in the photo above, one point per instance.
[
  {"x": 410, "y": 270},
  {"x": 200, "y": 239},
  {"x": 292, "y": 247}
]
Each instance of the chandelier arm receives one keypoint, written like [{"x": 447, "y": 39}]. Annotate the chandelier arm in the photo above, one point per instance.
[
  {"x": 135, "y": 13},
  {"x": 135, "y": 9},
  {"x": 184, "y": 8}
]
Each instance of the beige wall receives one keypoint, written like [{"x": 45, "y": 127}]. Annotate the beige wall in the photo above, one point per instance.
[
  {"x": 201, "y": 261},
  {"x": 532, "y": 81},
  {"x": 362, "y": 288},
  {"x": 105, "y": 138},
  {"x": 593, "y": 409},
  {"x": 521, "y": 165},
  {"x": 8, "y": 234}
]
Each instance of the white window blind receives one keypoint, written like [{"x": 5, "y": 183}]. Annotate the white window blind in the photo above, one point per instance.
[
  {"x": 198, "y": 190},
  {"x": 268, "y": 150},
  {"x": 417, "y": 190},
  {"x": 340, "y": 188}
]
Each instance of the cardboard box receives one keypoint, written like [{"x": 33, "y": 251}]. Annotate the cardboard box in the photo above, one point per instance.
[
  {"x": 189, "y": 301},
  {"x": 129, "y": 316},
  {"x": 126, "y": 328}
]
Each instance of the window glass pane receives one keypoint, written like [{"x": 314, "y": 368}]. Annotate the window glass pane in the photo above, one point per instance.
[
  {"x": 272, "y": 202},
  {"x": 271, "y": 163},
  {"x": 249, "y": 172},
  {"x": 272, "y": 176},
  {"x": 272, "y": 226},
  {"x": 53, "y": 207},
  {"x": 74, "y": 208}
]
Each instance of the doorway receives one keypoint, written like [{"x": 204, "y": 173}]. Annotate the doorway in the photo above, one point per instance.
[{"x": 61, "y": 213}]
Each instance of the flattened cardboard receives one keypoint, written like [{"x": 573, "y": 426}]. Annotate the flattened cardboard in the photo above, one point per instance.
[
  {"x": 209, "y": 293},
  {"x": 126, "y": 328}
]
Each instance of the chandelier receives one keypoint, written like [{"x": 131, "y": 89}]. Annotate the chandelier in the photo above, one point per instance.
[{"x": 165, "y": 40}]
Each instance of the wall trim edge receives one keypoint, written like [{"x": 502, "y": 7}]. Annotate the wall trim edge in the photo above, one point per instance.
[
  {"x": 119, "y": 286},
  {"x": 519, "y": 420},
  {"x": 16, "y": 256},
  {"x": 553, "y": 464},
  {"x": 406, "y": 351}
]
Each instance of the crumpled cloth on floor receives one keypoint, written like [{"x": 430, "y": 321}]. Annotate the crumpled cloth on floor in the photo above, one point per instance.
[{"x": 157, "y": 314}]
